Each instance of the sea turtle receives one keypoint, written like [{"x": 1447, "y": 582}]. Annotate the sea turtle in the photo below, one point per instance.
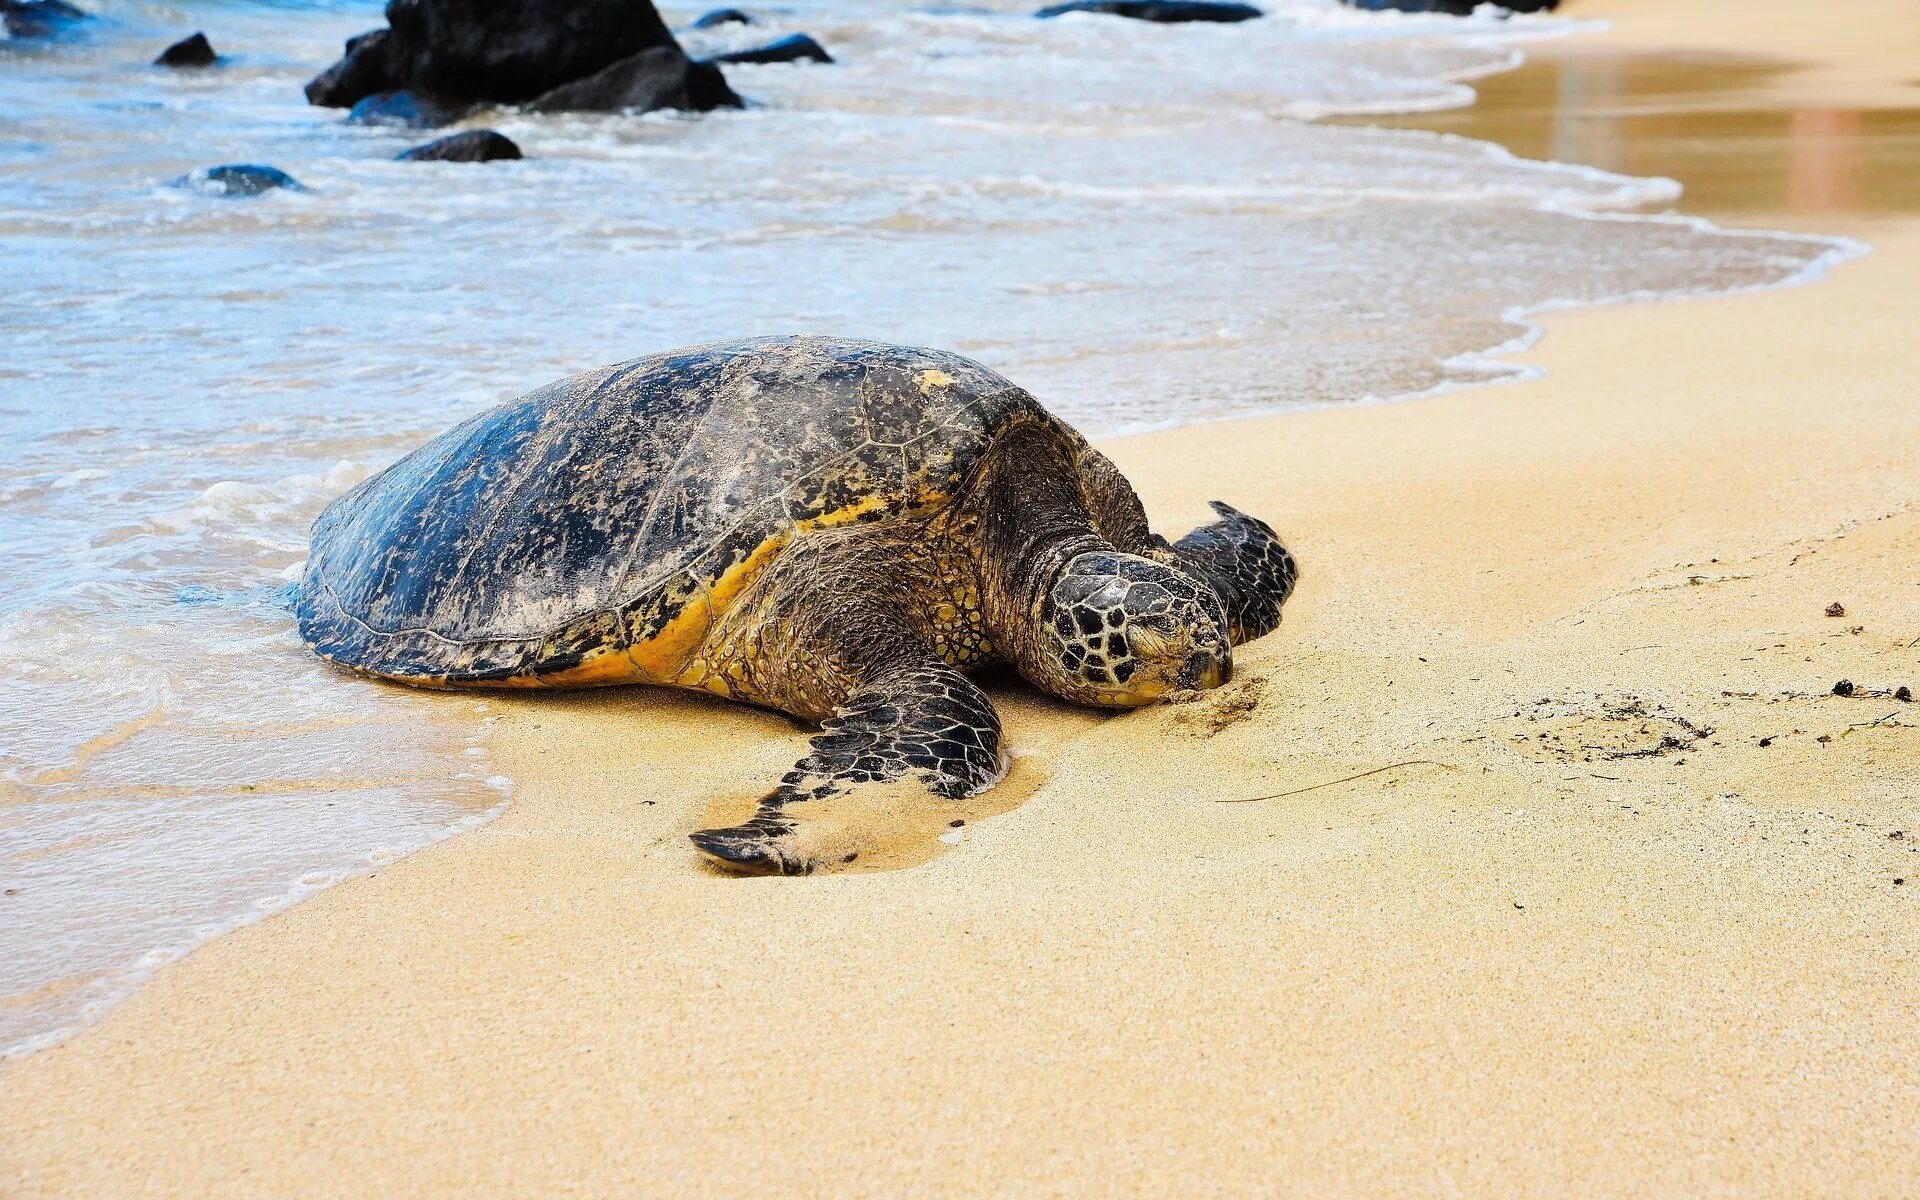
[{"x": 836, "y": 529}]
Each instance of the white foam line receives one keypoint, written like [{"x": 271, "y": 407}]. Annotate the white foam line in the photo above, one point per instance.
[{"x": 1840, "y": 250}]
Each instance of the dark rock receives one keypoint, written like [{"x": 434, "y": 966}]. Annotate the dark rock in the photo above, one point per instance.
[
  {"x": 1903, "y": 693},
  {"x": 1836, "y": 609},
  {"x": 474, "y": 145},
  {"x": 663, "y": 77},
  {"x": 795, "y": 47},
  {"x": 366, "y": 67},
  {"x": 195, "y": 51},
  {"x": 1166, "y": 12},
  {"x": 722, "y": 16},
  {"x": 1843, "y": 688},
  {"x": 1457, "y": 8},
  {"x": 408, "y": 110},
  {"x": 40, "y": 18},
  {"x": 239, "y": 179},
  {"x": 508, "y": 51}
]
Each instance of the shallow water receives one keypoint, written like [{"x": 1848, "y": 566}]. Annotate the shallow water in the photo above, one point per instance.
[{"x": 1136, "y": 222}]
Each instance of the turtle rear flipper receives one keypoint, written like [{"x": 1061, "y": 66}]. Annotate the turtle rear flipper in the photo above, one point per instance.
[{"x": 919, "y": 728}]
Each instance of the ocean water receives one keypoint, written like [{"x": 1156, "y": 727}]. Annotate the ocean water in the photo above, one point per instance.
[{"x": 1142, "y": 224}]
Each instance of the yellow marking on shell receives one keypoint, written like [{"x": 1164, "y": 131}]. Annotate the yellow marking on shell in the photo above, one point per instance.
[
  {"x": 871, "y": 502},
  {"x": 600, "y": 668},
  {"x": 678, "y": 662},
  {"x": 665, "y": 654},
  {"x": 930, "y": 379},
  {"x": 731, "y": 584}
]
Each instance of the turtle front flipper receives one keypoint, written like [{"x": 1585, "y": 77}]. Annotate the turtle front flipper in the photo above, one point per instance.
[
  {"x": 1242, "y": 558},
  {"x": 919, "y": 726}
]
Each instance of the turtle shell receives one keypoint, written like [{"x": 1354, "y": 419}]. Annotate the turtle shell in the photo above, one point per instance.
[{"x": 592, "y": 530}]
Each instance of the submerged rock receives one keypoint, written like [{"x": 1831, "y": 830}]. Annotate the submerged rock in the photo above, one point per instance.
[
  {"x": 239, "y": 180},
  {"x": 408, "y": 110},
  {"x": 40, "y": 18},
  {"x": 663, "y": 77},
  {"x": 1166, "y": 12},
  {"x": 474, "y": 145},
  {"x": 795, "y": 47},
  {"x": 721, "y": 16},
  {"x": 506, "y": 51},
  {"x": 1457, "y": 8},
  {"x": 195, "y": 51}
]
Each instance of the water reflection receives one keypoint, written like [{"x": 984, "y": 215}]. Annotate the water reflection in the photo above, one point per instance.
[{"x": 1703, "y": 121}]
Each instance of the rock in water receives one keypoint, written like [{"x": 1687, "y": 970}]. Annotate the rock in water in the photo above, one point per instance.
[
  {"x": 195, "y": 51},
  {"x": 366, "y": 67},
  {"x": 40, "y": 18},
  {"x": 408, "y": 110},
  {"x": 795, "y": 47},
  {"x": 1166, "y": 12},
  {"x": 239, "y": 180},
  {"x": 722, "y": 16},
  {"x": 505, "y": 51},
  {"x": 474, "y": 145},
  {"x": 663, "y": 77}
]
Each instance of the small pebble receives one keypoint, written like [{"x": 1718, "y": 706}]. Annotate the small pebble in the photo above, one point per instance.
[
  {"x": 1903, "y": 693},
  {"x": 1766, "y": 741},
  {"x": 1836, "y": 609},
  {"x": 1843, "y": 688}
]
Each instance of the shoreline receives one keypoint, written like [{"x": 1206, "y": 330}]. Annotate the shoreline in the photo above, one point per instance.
[{"x": 1566, "y": 936}]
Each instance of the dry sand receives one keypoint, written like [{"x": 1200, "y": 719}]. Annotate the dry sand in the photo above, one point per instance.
[{"x": 1632, "y": 922}]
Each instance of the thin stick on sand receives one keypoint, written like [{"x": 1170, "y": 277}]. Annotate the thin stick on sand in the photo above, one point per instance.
[{"x": 1412, "y": 762}]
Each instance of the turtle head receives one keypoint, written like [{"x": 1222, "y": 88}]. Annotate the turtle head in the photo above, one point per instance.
[{"x": 1122, "y": 630}]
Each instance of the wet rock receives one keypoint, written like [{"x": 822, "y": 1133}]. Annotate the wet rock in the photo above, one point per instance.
[
  {"x": 366, "y": 67},
  {"x": 240, "y": 180},
  {"x": 505, "y": 51},
  {"x": 40, "y": 18},
  {"x": 663, "y": 77},
  {"x": 1166, "y": 12},
  {"x": 474, "y": 145},
  {"x": 795, "y": 47},
  {"x": 408, "y": 110},
  {"x": 1457, "y": 8},
  {"x": 188, "y": 53},
  {"x": 722, "y": 16},
  {"x": 1843, "y": 688}
]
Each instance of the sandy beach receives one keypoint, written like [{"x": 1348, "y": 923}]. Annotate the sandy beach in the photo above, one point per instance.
[{"x": 1533, "y": 855}]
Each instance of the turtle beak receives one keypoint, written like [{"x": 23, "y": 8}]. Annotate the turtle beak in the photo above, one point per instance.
[{"x": 1204, "y": 671}]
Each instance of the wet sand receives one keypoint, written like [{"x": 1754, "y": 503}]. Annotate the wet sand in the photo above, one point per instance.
[{"x": 1575, "y": 878}]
